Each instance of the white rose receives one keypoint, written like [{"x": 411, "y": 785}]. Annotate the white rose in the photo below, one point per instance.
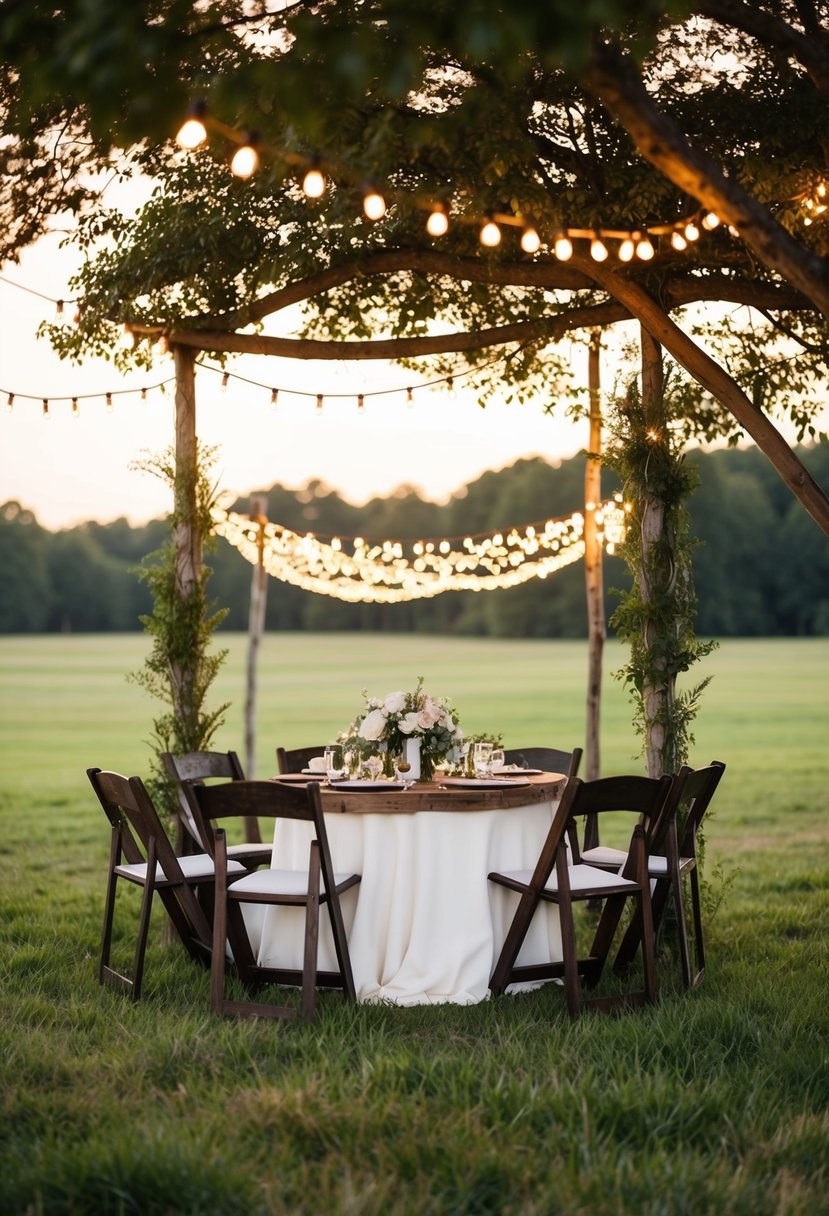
[
  {"x": 373, "y": 725},
  {"x": 408, "y": 724},
  {"x": 394, "y": 702}
]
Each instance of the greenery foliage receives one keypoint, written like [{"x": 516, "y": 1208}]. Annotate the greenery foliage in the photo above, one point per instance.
[
  {"x": 782, "y": 588},
  {"x": 656, "y": 615},
  {"x": 179, "y": 668}
]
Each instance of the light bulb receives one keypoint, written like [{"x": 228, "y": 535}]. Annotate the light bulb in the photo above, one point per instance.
[
  {"x": 191, "y": 134},
  {"x": 245, "y": 160},
  {"x": 490, "y": 234},
  {"x": 598, "y": 249},
  {"x": 274, "y": 397},
  {"x": 313, "y": 184},
  {"x": 127, "y": 339},
  {"x": 626, "y": 250},
  {"x": 691, "y": 231},
  {"x": 450, "y": 388},
  {"x": 225, "y": 381},
  {"x": 530, "y": 240},
  {"x": 438, "y": 222},
  {"x": 409, "y": 396},
  {"x": 319, "y": 403},
  {"x": 10, "y": 403},
  {"x": 374, "y": 205},
  {"x": 678, "y": 240},
  {"x": 46, "y": 409},
  {"x": 644, "y": 248},
  {"x": 76, "y": 413},
  {"x": 710, "y": 221},
  {"x": 108, "y": 403},
  {"x": 563, "y": 247},
  {"x": 361, "y": 403}
]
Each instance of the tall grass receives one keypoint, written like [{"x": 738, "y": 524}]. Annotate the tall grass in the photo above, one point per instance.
[{"x": 717, "y": 1101}]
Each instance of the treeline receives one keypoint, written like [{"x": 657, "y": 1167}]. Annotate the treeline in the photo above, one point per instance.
[{"x": 761, "y": 567}]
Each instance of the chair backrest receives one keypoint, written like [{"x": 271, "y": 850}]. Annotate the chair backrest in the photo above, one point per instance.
[
  {"x": 131, "y": 812},
  {"x": 295, "y": 759},
  {"x": 645, "y": 797},
  {"x": 689, "y": 801},
  {"x": 550, "y": 759},
  {"x": 191, "y": 767},
  {"x": 267, "y": 800}
]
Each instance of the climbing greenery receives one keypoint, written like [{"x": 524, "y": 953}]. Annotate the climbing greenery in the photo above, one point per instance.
[
  {"x": 656, "y": 614},
  {"x": 179, "y": 668}
]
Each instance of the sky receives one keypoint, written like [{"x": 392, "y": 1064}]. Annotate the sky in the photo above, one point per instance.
[{"x": 68, "y": 470}]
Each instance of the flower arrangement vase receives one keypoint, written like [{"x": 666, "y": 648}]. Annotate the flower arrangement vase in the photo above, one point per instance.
[{"x": 413, "y": 757}]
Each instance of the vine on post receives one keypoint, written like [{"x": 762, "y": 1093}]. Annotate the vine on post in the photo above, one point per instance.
[
  {"x": 179, "y": 670},
  {"x": 656, "y": 615}
]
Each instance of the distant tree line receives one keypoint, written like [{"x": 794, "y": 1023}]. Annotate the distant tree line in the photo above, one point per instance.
[{"x": 761, "y": 566}]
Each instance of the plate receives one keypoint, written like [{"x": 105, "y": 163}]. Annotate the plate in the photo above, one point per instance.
[
  {"x": 314, "y": 772},
  {"x": 380, "y": 784},
  {"x": 484, "y": 783},
  {"x": 304, "y": 778},
  {"x": 517, "y": 772}
]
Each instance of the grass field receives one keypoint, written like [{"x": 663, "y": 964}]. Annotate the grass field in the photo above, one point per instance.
[{"x": 713, "y": 1102}]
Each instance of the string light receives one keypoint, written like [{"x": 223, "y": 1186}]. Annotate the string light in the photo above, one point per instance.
[
  {"x": 644, "y": 248},
  {"x": 225, "y": 381},
  {"x": 274, "y": 397},
  {"x": 361, "y": 403},
  {"x": 710, "y": 221},
  {"x": 46, "y": 408},
  {"x": 450, "y": 388},
  {"x": 76, "y": 413},
  {"x": 10, "y": 403},
  {"x": 381, "y": 572},
  {"x": 193, "y": 133},
  {"x": 678, "y": 241},
  {"x": 319, "y": 403},
  {"x": 374, "y": 205},
  {"x": 437, "y": 223},
  {"x": 313, "y": 183},
  {"x": 598, "y": 249},
  {"x": 626, "y": 250},
  {"x": 530, "y": 240},
  {"x": 691, "y": 231},
  {"x": 563, "y": 247},
  {"x": 245, "y": 160},
  {"x": 108, "y": 403},
  {"x": 490, "y": 234},
  {"x": 409, "y": 396}
]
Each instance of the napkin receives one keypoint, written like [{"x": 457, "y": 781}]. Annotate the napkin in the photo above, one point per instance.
[{"x": 317, "y": 764}]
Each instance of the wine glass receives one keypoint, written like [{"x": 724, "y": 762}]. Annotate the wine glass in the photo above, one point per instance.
[
  {"x": 480, "y": 757},
  {"x": 333, "y": 761},
  {"x": 497, "y": 760},
  {"x": 374, "y": 764},
  {"x": 402, "y": 770}
]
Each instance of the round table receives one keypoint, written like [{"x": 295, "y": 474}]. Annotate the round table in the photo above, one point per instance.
[{"x": 424, "y": 924}]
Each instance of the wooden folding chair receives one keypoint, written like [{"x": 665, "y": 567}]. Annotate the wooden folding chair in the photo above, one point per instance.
[
  {"x": 549, "y": 759},
  {"x": 295, "y": 759},
  {"x": 318, "y": 884},
  {"x": 131, "y": 814},
  {"x": 672, "y": 856},
  {"x": 192, "y": 768},
  {"x": 555, "y": 880}
]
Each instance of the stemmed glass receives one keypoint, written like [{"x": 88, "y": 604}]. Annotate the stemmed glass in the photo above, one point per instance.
[
  {"x": 480, "y": 756},
  {"x": 333, "y": 761},
  {"x": 497, "y": 759},
  {"x": 374, "y": 764},
  {"x": 402, "y": 769}
]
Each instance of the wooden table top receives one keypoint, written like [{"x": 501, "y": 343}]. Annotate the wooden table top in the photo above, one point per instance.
[{"x": 432, "y": 796}]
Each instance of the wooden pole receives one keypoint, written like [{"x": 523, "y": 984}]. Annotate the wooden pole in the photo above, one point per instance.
[
  {"x": 593, "y": 574},
  {"x": 186, "y": 539},
  {"x": 256, "y": 627}
]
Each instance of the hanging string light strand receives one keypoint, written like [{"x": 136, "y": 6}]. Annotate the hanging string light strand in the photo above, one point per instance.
[{"x": 358, "y": 570}]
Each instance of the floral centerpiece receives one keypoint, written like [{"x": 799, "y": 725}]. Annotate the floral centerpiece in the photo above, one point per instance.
[{"x": 389, "y": 723}]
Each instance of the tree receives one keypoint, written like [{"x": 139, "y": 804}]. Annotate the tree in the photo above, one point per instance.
[{"x": 206, "y": 259}]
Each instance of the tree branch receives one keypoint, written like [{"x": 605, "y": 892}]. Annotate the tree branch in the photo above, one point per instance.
[
  {"x": 613, "y": 80},
  {"x": 810, "y": 48}
]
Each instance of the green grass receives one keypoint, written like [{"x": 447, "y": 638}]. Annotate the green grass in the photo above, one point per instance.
[{"x": 716, "y": 1102}]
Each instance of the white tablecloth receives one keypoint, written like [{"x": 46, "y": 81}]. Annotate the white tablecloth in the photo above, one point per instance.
[{"x": 424, "y": 925}]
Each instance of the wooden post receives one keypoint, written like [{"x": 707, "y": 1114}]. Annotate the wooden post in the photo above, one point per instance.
[
  {"x": 186, "y": 539},
  {"x": 256, "y": 627},
  {"x": 593, "y": 575}
]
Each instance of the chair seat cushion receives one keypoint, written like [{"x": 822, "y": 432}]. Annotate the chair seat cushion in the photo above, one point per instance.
[
  {"x": 280, "y": 882},
  {"x": 250, "y": 850},
  {"x": 659, "y": 865},
  {"x": 603, "y": 855},
  {"x": 197, "y": 865},
  {"x": 582, "y": 878}
]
